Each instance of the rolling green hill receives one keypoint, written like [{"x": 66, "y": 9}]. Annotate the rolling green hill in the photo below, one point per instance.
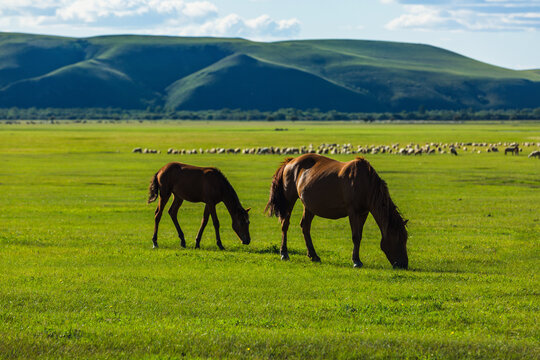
[
  {"x": 135, "y": 72},
  {"x": 240, "y": 79}
]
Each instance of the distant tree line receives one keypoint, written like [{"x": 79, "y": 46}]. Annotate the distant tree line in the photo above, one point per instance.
[{"x": 157, "y": 113}]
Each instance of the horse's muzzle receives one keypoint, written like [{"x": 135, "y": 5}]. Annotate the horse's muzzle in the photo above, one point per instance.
[{"x": 246, "y": 241}]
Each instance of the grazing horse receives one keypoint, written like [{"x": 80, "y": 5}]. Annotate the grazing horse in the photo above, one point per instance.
[
  {"x": 512, "y": 149},
  {"x": 197, "y": 184},
  {"x": 333, "y": 190}
]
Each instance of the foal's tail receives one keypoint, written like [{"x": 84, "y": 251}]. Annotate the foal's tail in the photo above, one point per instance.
[
  {"x": 153, "y": 189},
  {"x": 278, "y": 204}
]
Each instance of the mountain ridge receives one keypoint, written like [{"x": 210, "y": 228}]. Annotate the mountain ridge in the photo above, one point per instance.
[{"x": 197, "y": 73}]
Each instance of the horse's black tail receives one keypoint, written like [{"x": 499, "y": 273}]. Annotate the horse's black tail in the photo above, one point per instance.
[
  {"x": 153, "y": 189},
  {"x": 278, "y": 204}
]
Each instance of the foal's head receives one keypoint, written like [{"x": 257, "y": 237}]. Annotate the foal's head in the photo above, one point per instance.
[
  {"x": 394, "y": 243},
  {"x": 240, "y": 225}
]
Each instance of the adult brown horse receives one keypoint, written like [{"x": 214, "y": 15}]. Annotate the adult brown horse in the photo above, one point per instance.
[
  {"x": 332, "y": 189},
  {"x": 197, "y": 184}
]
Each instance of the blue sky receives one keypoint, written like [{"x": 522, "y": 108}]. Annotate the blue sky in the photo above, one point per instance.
[{"x": 500, "y": 32}]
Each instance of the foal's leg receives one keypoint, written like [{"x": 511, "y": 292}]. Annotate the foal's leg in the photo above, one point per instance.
[
  {"x": 307, "y": 218},
  {"x": 284, "y": 228},
  {"x": 215, "y": 221},
  {"x": 163, "y": 198},
  {"x": 357, "y": 221},
  {"x": 173, "y": 212},
  {"x": 203, "y": 225}
]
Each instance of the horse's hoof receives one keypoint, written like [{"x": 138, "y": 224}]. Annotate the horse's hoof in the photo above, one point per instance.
[
  {"x": 316, "y": 259},
  {"x": 285, "y": 257},
  {"x": 358, "y": 264},
  {"x": 183, "y": 244},
  {"x": 221, "y": 247},
  {"x": 155, "y": 246}
]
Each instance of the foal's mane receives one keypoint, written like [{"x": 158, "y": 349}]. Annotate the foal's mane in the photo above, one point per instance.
[
  {"x": 227, "y": 187},
  {"x": 380, "y": 200}
]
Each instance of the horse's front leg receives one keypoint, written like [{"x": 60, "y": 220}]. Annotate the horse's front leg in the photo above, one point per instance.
[
  {"x": 357, "y": 222},
  {"x": 307, "y": 218},
  {"x": 204, "y": 221},
  {"x": 215, "y": 221}
]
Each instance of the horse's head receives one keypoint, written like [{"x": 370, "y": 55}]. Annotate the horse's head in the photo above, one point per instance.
[
  {"x": 394, "y": 244},
  {"x": 240, "y": 225}
]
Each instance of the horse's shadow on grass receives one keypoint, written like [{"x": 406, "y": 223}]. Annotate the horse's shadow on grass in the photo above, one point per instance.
[
  {"x": 378, "y": 266},
  {"x": 274, "y": 250}
]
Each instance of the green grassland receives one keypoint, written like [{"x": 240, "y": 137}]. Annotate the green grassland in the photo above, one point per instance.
[{"x": 79, "y": 277}]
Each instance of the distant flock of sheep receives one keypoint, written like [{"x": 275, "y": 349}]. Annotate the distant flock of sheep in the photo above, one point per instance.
[{"x": 336, "y": 149}]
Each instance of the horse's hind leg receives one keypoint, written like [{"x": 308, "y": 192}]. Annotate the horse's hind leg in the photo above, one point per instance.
[
  {"x": 215, "y": 221},
  {"x": 173, "y": 212},
  {"x": 307, "y": 218},
  {"x": 357, "y": 222},
  {"x": 163, "y": 198},
  {"x": 203, "y": 225},
  {"x": 284, "y": 228}
]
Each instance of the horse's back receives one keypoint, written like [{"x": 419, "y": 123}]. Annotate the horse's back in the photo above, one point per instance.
[
  {"x": 176, "y": 171},
  {"x": 308, "y": 170},
  {"x": 189, "y": 182},
  {"x": 326, "y": 186}
]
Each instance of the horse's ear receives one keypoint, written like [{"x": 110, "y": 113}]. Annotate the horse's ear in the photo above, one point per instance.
[
  {"x": 405, "y": 222},
  {"x": 247, "y": 210}
]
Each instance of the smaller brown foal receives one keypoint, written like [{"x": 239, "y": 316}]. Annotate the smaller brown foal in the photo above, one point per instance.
[{"x": 197, "y": 184}]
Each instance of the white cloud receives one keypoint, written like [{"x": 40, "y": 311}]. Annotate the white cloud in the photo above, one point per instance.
[
  {"x": 234, "y": 25},
  {"x": 266, "y": 25},
  {"x": 427, "y": 17},
  {"x": 478, "y": 15},
  {"x": 163, "y": 17},
  {"x": 200, "y": 9},
  {"x": 164, "y": 6},
  {"x": 92, "y": 10},
  {"x": 38, "y": 4}
]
